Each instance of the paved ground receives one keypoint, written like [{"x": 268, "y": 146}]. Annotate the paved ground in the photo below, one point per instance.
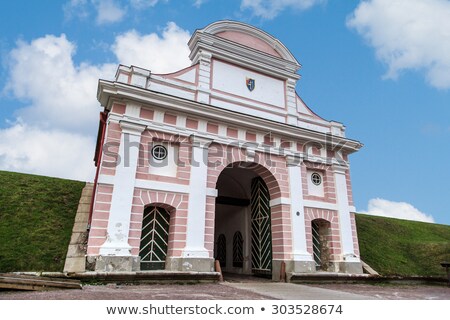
[
  {"x": 140, "y": 292},
  {"x": 234, "y": 289},
  {"x": 290, "y": 291},
  {"x": 393, "y": 292}
]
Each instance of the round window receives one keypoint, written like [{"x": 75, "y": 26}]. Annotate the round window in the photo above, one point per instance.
[
  {"x": 159, "y": 152},
  {"x": 316, "y": 178}
]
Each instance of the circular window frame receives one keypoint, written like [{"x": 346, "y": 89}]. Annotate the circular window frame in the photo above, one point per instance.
[
  {"x": 156, "y": 152},
  {"x": 316, "y": 178}
]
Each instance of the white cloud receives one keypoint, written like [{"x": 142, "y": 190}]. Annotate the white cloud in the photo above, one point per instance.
[
  {"x": 198, "y": 3},
  {"x": 141, "y": 4},
  {"x": 56, "y": 153},
  {"x": 399, "y": 210},
  {"x": 164, "y": 54},
  {"x": 408, "y": 34},
  {"x": 76, "y": 8},
  {"x": 55, "y": 133},
  {"x": 269, "y": 9},
  {"x": 108, "y": 11},
  {"x": 43, "y": 73},
  {"x": 105, "y": 11}
]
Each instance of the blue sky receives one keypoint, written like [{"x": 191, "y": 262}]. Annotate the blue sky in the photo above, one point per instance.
[{"x": 381, "y": 67}]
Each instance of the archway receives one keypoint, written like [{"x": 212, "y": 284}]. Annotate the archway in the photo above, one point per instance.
[{"x": 243, "y": 215}]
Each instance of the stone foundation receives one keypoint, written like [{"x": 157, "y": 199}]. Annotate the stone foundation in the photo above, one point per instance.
[
  {"x": 351, "y": 267},
  {"x": 112, "y": 263},
  {"x": 292, "y": 267},
  {"x": 190, "y": 264},
  {"x": 346, "y": 267}
]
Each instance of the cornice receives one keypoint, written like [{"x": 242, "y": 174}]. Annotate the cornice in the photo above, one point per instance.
[{"x": 108, "y": 90}]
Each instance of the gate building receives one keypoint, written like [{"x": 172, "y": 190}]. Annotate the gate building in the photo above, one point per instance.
[{"x": 220, "y": 161}]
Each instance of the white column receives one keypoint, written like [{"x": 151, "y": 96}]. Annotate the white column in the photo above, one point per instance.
[
  {"x": 344, "y": 214},
  {"x": 299, "y": 246},
  {"x": 195, "y": 238},
  {"x": 116, "y": 243}
]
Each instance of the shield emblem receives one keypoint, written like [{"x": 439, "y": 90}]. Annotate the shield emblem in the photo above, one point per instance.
[{"x": 250, "y": 84}]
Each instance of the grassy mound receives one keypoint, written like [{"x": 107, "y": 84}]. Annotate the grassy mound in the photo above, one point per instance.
[
  {"x": 402, "y": 247},
  {"x": 36, "y": 219}
]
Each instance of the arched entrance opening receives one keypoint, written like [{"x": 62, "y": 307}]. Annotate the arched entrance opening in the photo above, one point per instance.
[
  {"x": 154, "y": 237},
  {"x": 321, "y": 238},
  {"x": 243, "y": 218}
]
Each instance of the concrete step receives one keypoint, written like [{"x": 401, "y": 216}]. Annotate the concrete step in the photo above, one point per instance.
[
  {"x": 76, "y": 252},
  {"x": 157, "y": 276}
]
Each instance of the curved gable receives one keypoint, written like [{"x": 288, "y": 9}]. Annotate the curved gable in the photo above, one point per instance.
[
  {"x": 249, "y": 41},
  {"x": 241, "y": 33}
]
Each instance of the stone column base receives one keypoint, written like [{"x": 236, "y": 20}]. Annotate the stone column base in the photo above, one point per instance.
[
  {"x": 351, "y": 267},
  {"x": 112, "y": 263},
  {"x": 190, "y": 264},
  {"x": 292, "y": 266}
]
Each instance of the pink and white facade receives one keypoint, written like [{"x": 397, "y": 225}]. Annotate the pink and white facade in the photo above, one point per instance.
[{"x": 221, "y": 161}]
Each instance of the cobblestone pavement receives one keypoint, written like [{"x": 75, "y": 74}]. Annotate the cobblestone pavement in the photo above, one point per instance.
[
  {"x": 221, "y": 292},
  {"x": 139, "y": 292}
]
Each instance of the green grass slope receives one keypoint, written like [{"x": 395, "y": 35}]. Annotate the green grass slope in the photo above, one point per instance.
[
  {"x": 36, "y": 219},
  {"x": 402, "y": 247}
]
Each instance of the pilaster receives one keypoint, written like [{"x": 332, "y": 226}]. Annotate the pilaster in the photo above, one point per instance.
[
  {"x": 291, "y": 102},
  {"x": 204, "y": 77},
  {"x": 195, "y": 256},
  {"x": 116, "y": 243},
  {"x": 302, "y": 259},
  {"x": 351, "y": 263}
]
